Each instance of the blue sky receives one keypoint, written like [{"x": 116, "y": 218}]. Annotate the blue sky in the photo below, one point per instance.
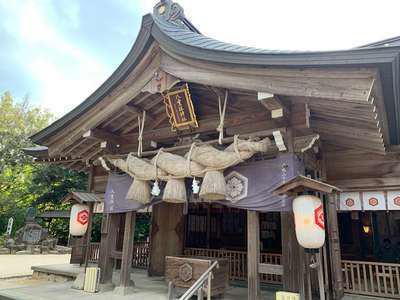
[{"x": 59, "y": 51}]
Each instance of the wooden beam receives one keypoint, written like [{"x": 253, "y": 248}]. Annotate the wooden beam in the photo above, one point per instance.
[
  {"x": 104, "y": 135},
  {"x": 253, "y": 255},
  {"x": 253, "y": 127},
  {"x": 136, "y": 110},
  {"x": 108, "y": 147},
  {"x": 270, "y": 269},
  {"x": 150, "y": 118},
  {"x": 87, "y": 147},
  {"x": 273, "y": 104},
  {"x": 113, "y": 118},
  {"x": 133, "y": 109},
  {"x": 226, "y": 140},
  {"x": 92, "y": 154},
  {"x": 205, "y": 125},
  {"x": 351, "y": 89},
  {"x": 73, "y": 147}
]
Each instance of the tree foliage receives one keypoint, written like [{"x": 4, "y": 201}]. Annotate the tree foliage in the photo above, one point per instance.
[
  {"x": 18, "y": 121},
  {"x": 23, "y": 183}
]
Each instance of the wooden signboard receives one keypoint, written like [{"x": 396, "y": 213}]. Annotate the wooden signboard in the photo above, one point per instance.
[
  {"x": 180, "y": 109},
  {"x": 183, "y": 271}
]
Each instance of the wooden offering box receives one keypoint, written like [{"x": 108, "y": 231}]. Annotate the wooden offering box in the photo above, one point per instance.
[{"x": 183, "y": 271}]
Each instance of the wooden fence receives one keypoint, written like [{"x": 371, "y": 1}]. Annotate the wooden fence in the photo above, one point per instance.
[
  {"x": 238, "y": 262},
  {"x": 371, "y": 278},
  {"x": 94, "y": 251},
  {"x": 141, "y": 255}
]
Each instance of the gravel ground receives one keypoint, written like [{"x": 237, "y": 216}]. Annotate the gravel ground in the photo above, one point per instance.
[{"x": 20, "y": 265}]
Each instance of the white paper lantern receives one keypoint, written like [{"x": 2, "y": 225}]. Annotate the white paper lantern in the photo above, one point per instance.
[
  {"x": 79, "y": 219},
  {"x": 309, "y": 221}
]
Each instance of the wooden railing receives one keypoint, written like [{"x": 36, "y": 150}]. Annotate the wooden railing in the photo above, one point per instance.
[
  {"x": 94, "y": 251},
  {"x": 140, "y": 255},
  {"x": 238, "y": 262},
  {"x": 371, "y": 278}
]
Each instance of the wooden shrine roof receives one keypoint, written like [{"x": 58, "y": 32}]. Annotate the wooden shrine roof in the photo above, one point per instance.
[
  {"x": 351, "y": 96},
  {"x": 55, "y": 214},
  {"x": 83, "y": 197},
  {"x": 301, "y": 183}
]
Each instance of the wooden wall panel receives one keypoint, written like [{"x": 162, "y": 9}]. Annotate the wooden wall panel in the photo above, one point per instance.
[
  {"x": 167, "y": 235},
  {"x": 354, "y": 165}
]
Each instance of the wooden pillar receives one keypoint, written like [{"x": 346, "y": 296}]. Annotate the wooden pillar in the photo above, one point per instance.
[
  {"x": 109, "y": 230},
  {"x": 126, "y": 283},
  {"x": 166, "y": 236},
  {"x": 290, "y": 254},
  {"x": 334, "y": 247},
  {"x": 88, "y": 235},
  {"x": 127, "y": 250},
  {"x": 253, "y": 255}
]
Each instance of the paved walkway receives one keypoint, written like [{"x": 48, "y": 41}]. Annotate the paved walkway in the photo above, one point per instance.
[
  {"x": 149, "y": 288},
  {"x": 20, "y": 265}
]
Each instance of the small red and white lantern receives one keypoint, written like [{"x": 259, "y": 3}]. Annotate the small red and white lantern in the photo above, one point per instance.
[
  {"x": 309, "y": 221},
  {"x": 79, "y": 220}
]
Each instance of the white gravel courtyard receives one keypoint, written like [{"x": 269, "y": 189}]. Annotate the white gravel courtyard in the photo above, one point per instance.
[{"x": 20, "y": 265}]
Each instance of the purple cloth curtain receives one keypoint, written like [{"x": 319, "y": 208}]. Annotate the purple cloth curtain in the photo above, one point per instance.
[
  {"x": 252, "y": 184},
  {"x": 115, "y": 196},
  {"x": 262, "y": 178}
]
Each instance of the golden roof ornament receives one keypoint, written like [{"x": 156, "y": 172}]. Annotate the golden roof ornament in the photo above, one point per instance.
[{"x": 169, "y": 11}]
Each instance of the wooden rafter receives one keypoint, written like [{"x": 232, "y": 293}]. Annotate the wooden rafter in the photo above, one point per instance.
[
  {"x": 84, "y": 150},
  {"x": 103, "y": 135}
]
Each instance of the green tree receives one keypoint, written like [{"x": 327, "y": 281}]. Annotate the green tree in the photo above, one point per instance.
[
  {"x": 22, "y": 182},
  {"x": 18, "y": 121}
]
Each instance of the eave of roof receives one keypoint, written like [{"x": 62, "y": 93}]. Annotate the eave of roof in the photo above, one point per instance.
[
  {"x": 37, "y": 151},
  {"x": 393, "y": 41},
  {"x": 176, "y": 34},
  {"x": 83, "y": 197}
]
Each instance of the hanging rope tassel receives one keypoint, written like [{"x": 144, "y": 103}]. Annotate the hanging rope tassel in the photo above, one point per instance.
[
  {"x": 222, "y": 110},
  {"x": 140, "y": 137},
  {"x": 195, "y": 183},
  {"x": 156, "y": 188}
]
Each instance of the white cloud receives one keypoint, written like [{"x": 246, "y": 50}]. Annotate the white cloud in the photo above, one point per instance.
[{"x": 63, "y": 73}]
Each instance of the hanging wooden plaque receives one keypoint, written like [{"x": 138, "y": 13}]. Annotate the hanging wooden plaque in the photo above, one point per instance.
[{"x": 180, "y": 109}]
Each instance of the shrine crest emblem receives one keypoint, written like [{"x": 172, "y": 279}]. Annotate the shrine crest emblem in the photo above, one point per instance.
[{"x": 236, "y": 186}]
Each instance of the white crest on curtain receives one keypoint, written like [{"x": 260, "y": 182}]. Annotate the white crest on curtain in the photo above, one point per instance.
[{"x": 236, "y": 186}]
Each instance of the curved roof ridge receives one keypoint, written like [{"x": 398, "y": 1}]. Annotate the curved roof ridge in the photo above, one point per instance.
[
  {"x": 170, "y": 28},
  {"x": 170, "y": 18}
]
